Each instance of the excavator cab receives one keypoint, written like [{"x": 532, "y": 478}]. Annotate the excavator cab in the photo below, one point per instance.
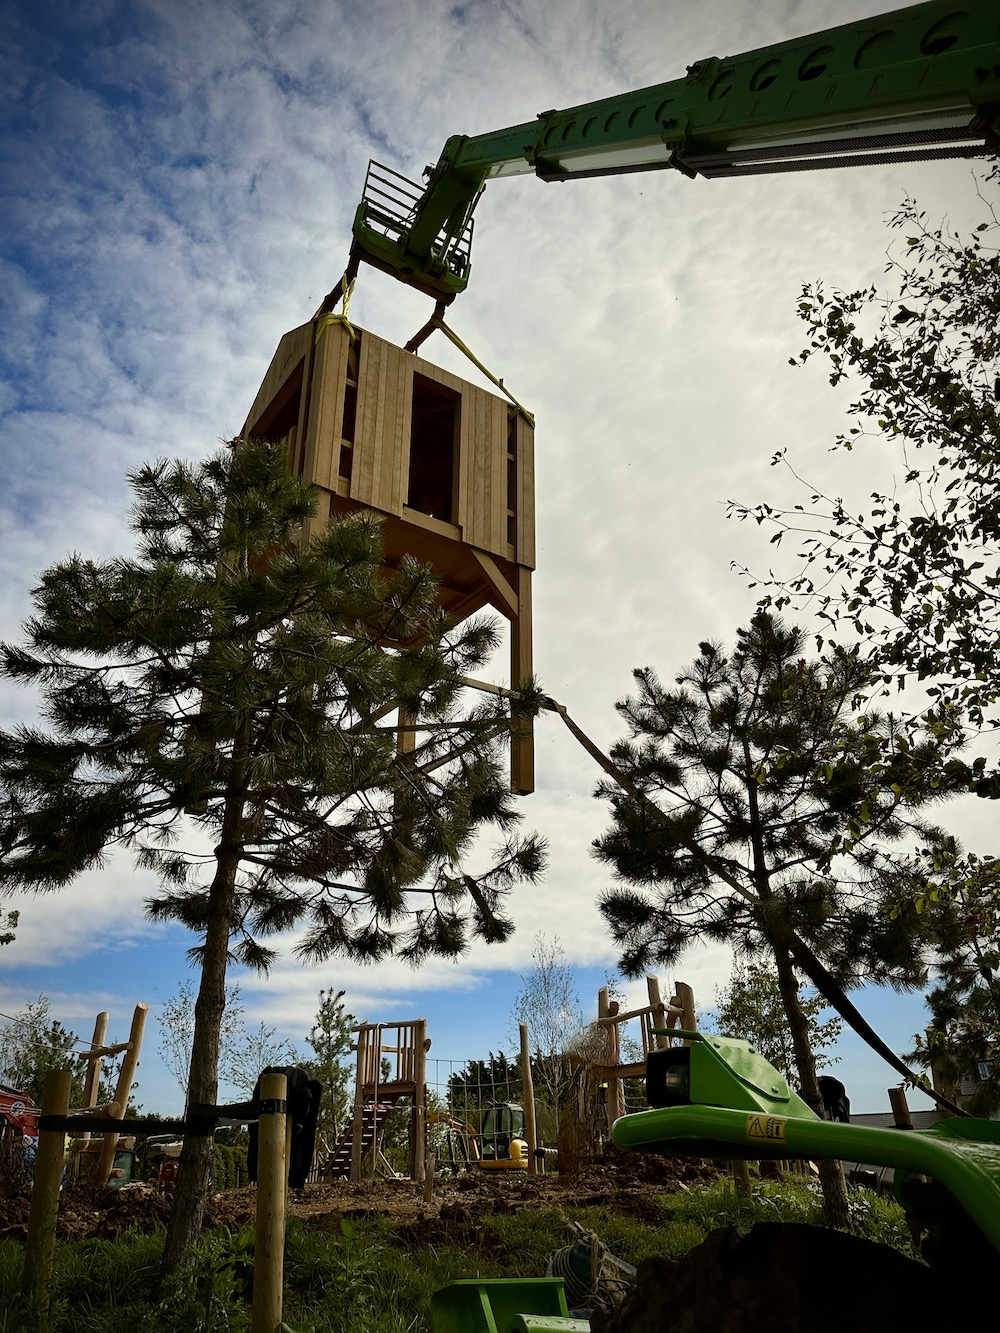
[{"x": 502, "y": 1144}]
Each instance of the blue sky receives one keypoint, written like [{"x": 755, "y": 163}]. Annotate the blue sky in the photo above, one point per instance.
[{"x": 178, "y": 180}]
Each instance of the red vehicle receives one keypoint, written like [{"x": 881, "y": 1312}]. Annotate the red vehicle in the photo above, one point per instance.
[{"x": 19, "y": 1112}]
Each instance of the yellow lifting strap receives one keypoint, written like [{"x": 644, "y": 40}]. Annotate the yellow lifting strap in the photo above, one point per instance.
[
  {"x": 450, "y": 333},
  {"x": 323, "y": 323}
]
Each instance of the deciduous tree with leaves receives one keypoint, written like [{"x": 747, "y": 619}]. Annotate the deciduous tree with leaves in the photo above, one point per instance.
[
  {"x": 750, "y": 1007},
  {"x": 32, "y": 1043},
  {"x": 222, "y": 705},
  {"x": 916, "y": 571},
  {"x": 176, "y": 1022},
  {"x": 755, "y": 818},
  {"x": 550, "y": 1006},
  {"x": 957, "y": 897}
]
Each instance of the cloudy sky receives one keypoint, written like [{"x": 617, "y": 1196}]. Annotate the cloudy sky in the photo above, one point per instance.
[{"x": 178, "y": 182}]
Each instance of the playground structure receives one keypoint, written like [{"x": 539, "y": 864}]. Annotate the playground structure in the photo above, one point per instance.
[
  {"x": 447, "y": 467},
  {"x": 391, "y": 1072},
  {"x": 392, "y": 1077},
  {"x": 654, "y": 1018},
  {"x": 105, "y": 1148},
  {"x": 103, "y": 1161}
]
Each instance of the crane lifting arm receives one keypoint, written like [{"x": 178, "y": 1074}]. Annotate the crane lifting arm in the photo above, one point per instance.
[{"x": 916, "y": 84}]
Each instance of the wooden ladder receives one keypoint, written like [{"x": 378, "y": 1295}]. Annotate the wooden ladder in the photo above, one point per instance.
[{"x": 373, "y": 1117}]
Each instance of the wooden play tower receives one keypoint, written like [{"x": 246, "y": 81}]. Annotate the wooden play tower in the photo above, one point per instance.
[
  {"x": 391, "y": 1074},
  {"x": 448, "y": 466}
]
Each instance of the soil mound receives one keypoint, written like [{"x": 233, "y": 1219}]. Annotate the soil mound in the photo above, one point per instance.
[{"x": 788, "y": 1278}]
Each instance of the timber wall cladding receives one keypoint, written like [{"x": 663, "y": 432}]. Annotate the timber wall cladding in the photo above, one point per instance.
[
  {"x": 493, "y": 483},
  {"x": 449, "y": 466}
]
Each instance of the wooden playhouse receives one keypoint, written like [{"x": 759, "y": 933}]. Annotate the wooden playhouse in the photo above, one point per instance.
[{"x": 449, "y": 466}]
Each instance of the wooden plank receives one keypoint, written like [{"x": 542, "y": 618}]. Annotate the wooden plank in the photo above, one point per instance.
[
  {"x": 526, "y": 493},
  {"x": 506, "y": 595},
  {"x": 404, "y": 419},
  {"x": 498, "y": 474},
  {"x": 522, "y": 747},
  {"x": 362, "y": 475},
  {"x": 478, "y": 533},
  {"x": 390, "y": 442},
  {"x": 466, "y": 467},
  {"x": 326, "y": 413},
  {"x": 435, "y": 373},
  {"x": 383, "y": 399}
]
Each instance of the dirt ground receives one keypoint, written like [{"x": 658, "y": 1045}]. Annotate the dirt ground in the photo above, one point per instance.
[{"x": 621, "y": 1182}]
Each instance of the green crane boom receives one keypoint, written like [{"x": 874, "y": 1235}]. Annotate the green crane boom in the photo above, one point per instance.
[{"x": 916, "y": 84}]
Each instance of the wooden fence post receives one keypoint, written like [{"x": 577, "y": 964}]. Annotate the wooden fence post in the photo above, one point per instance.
[
  {"x": 900, "y": 1108},
  {"x": 528, "y": 1096},
  {"x": 272, "y": 1196},
  {"x": 39, "y": 1251},
  {"x": 421, "y": 1046}
]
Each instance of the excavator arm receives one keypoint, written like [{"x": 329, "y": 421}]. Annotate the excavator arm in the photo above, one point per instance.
[{"x": 916, "y": 84}]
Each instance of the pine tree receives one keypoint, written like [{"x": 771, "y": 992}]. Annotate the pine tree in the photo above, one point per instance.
[
  {"x": 332, "y": 1063},
  {"x": 762, "y": 817},
  {"x": 222, "y": 706}
]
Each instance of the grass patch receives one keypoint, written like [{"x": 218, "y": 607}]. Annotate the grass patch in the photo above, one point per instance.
[
  {"x": 721, "y": 1204},
  {"x": 367, "y": 1278}
]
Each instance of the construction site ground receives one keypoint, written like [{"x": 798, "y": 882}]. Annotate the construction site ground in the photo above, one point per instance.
[
  {"x": 778, "y": 1279},
  {"x": 456, "y": 1205}
]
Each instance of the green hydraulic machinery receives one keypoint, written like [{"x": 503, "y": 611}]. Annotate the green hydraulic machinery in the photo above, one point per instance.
[
  {"x": 917, "y": 84},
  {"x": 717, "y": 1097}
]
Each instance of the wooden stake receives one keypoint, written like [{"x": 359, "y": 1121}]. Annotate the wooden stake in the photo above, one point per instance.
[
  {"x": 93, "y": 1078},
  {"x": 429, "y": 1178},
  {"x": 39, "y": 1251},
  {"x": 528, "y": 1095},
  {"x": 421, "y": 1045},
  {"x": 900, "y": 1108},
  {"x": 130, "y": 1062},
  {"x": 272, "y": 1198}
]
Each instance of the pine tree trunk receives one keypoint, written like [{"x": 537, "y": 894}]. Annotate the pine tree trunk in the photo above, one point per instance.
[
  {"x": 195, "y": 1165},
  {"x": 831, "y": 1173}
]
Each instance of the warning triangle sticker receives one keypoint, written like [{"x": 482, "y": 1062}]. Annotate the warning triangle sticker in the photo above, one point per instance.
[{"x": 771, "y": 1128}]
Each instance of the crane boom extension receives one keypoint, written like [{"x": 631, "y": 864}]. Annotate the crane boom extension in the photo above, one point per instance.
[{"x": 916, "y": 84}]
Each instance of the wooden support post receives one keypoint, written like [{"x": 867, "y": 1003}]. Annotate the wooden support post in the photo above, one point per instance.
[
  {"x": 900, "y": 1108},
  {"x": 272, "y": 1196},
  {"x": 39, "y": 1251},
  {"x": 659, "y": 1014},
  {"x": 130, "y": 1061},
  {"x": 614, "y": 1097},
  {"x": 689, "y": 1018},
  {"x": 528, "y": 1094},
  {"x": 357, "y": 1125},
  {"x": 93, "y": 1078},
  {"x": 406, "y": 737},
  {"x": 741, "y": 1177},
  {"x": 522, "y": 745},
  {"x": 429, "y": 1178},
  {"x": 420, "y": 1048}
]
